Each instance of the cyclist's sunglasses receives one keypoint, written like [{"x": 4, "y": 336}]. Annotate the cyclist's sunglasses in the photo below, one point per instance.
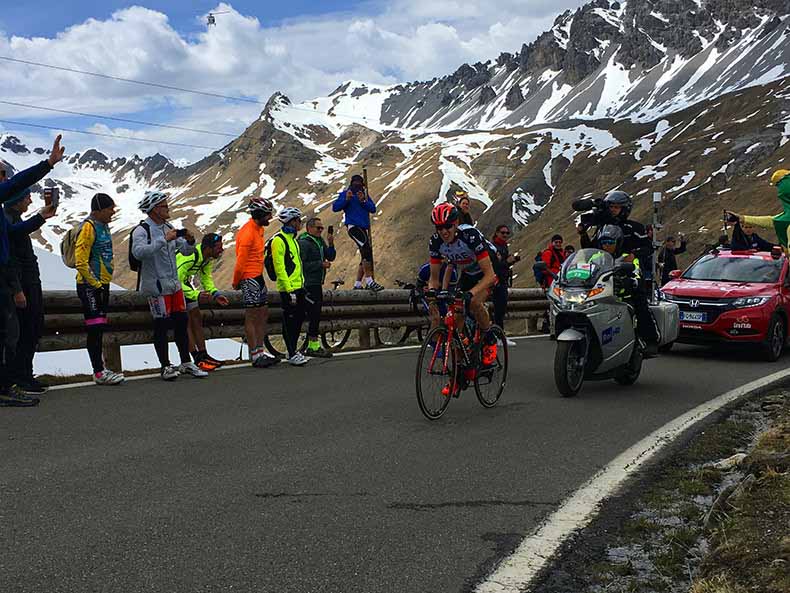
[{"x": 444, "y": 227}]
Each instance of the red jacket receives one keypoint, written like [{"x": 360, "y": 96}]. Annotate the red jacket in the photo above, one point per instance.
[{"x": 553, "y": 258}]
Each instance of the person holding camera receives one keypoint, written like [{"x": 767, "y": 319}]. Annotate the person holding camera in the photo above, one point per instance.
[
  {"x": 200, "y": 264},
  {"x": 12, "y": 294},
  {"x": 667, "y": 257},
  {"x": 317, "y": 257},
  {"x": 613, "y": 209},
  {"x": 29, "y": 300},
  {"x": 357, "y": 207},
  {"x": 503, "y": 262},
  {"x": 152, "y": 253}
]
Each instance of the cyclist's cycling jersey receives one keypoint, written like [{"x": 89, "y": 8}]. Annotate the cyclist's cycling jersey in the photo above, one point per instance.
[
  {"x": 424, "y": 275},
  {"x": 469, "y": 247}
]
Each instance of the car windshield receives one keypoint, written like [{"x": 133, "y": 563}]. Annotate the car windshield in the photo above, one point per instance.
[
  {"x": 585, "y": 266},
  {"x": 735, "y": 269}
]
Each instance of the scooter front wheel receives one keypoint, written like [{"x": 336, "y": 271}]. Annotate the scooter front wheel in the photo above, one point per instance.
[{"x": 569, "y": 362}]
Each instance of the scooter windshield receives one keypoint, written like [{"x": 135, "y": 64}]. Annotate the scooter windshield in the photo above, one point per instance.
[{"x": 584, "y": 267}]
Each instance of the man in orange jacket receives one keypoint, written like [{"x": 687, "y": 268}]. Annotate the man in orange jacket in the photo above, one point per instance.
[{"x": 248, "y": 278}]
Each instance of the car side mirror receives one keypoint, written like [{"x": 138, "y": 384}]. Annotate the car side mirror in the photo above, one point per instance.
[
  {"x": 675, "y": 274},
  {"x": 625, "y": 268}
]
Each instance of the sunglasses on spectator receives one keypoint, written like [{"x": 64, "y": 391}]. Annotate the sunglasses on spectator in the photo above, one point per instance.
[
  {"x": 504, "y": 232},
  {"x": 319, "y": 228},
  {"x": 444, "y": 227}
]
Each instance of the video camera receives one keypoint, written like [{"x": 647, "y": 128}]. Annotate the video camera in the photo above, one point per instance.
[{"x": 594, "y": 218}]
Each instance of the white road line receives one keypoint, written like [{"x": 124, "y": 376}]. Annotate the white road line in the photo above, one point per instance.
[
  {"x": 242, "y": 364},
  {"x": 516, "y": 572}
]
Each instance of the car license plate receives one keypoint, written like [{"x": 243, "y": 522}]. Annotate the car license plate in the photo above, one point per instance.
[{"x": 694, "y": 316}]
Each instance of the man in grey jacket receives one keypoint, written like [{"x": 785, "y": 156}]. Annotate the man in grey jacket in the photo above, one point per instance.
[{"x": 152, "y": 254}]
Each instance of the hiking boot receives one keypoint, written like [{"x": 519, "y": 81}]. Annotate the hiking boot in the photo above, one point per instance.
[
  {"x": 190, "y": 368},
  {"x": 374, "y": 286},
  {"x": 13, "y": 397},
  {"x": 107, "y": 377},
  {"x": 169, "y": 373}
]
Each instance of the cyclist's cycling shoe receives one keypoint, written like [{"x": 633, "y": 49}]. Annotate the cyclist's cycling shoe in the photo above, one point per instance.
[
  {"x": 455, "y": 392},
  {"x": 374, "y": 286},
  {"x": 205, "y": 365},
  {"x": 489, "y": 355},
  {"x": 214, "y": 361}
]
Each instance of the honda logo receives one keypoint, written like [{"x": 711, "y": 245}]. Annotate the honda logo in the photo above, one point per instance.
[{"x": 694, "y": 303}]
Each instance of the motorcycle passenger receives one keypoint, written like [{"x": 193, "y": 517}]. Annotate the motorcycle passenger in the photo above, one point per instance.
[
  {"x": 617, "y": 209},
  {"x": 611, "y": 240}
]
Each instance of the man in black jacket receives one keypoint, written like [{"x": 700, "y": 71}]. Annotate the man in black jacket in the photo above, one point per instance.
[
  {"x": 749, "y": 239},
  {"x": 29, "y": 300},
  {"x": 317, "y": 256},
  {"x": 9, "y": 284},
  {"x": 502, "y": 265},
  {"x": 667, "y": 256},
  {"x": 614, "y": 209}
]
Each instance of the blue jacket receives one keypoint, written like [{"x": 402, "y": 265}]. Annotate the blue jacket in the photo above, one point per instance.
[
  {"x": 8, "y": 189},
  {"x": 356, "y": 213}
]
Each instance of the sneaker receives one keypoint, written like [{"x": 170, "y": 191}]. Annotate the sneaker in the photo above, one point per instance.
[
  {"x": 265, "y": 361},
  {"x": 489, "y": 355},
  {"x": 297, "y": 360},
  {"x": 511, "y": 342},
  {"x": 319, "y": 352},
  {"x": 169, "y": 373},
  {"x": 205, "y": 365},
  {"x": 360, "y": 287},
  {"x": 374, "y": 286},
  {"x": 15, "y": 398},
  {"x": 107, "y": 377},
  {"x": 190, "y": 368},
  {"x": 32, "y": 388}
]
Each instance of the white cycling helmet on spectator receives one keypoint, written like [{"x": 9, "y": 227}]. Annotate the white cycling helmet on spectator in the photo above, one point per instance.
[
  {"x": 151, "y": 199},
  {"x": 260, "y": 205},
  {"x": 288, "y": 214}
]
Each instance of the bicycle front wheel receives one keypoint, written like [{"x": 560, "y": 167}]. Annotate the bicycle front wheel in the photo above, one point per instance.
[
  {"x": 490, "y": 379},
  {"x": 437, "y": 374}
]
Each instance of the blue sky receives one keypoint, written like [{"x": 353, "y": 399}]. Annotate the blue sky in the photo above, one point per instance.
[{"x": 302, "y": 48}]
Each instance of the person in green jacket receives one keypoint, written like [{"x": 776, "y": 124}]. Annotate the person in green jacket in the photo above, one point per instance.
[
  {"x": 287, "y": 263},
  {"x": 200, "y": 264},
  {"x": 781, "y": 222},
  {"x": 317, "y": 256}
]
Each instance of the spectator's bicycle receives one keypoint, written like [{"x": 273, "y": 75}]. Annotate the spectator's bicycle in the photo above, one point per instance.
[
  {"x": 332, "y": 340},
  {"x": 394, "y": 336},
  {"x": 450, "y": 359}
]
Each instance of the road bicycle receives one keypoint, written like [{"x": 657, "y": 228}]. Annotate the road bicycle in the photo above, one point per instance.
[{"x": 450, "y": 360}]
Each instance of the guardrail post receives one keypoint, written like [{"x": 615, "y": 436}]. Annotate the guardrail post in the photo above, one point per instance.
[
  {"x": 364, "y": 337},
  {"x": 532, "y": 325},
  {"x": 112, "y": 355}
]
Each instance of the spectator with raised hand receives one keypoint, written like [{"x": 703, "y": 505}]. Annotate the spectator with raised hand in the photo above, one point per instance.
[
  {"x": 357, "y": 207},
  {"x": 317, "y": 257},
  {"x": 287, "y": 264},
  {"x": 30, "y": 298},
  {"x": 199, "y": 264},
  {"x": 152, "y": 253},
  {"x": 93, "y": 258},
  {"x": 10, "y": 286},
  {"x": 248, "y": 278}
]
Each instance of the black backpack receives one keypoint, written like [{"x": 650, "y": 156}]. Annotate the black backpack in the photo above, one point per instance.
[
  {"x": 268, "y": 262},
  {"x": 134, "y": 263}
]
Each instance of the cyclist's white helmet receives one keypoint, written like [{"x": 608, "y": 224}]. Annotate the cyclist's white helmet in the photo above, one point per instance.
[
  {"x": 151, "y": 199},
  {"x": 260, "y": 205},
  {"x": 288, "y": 214}
]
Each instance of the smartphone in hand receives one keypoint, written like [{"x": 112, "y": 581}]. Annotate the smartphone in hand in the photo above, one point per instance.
[
  {"x": 181, "y": 233},
  {"x": 330, "y": 230}
]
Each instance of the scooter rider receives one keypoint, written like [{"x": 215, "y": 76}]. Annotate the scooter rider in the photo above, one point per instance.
[
  {"x": 611, "y": 239},
  {"x": 614, "y": 209}
]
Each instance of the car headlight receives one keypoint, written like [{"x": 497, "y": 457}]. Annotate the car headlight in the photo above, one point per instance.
[{"x": 750, "y": 301}]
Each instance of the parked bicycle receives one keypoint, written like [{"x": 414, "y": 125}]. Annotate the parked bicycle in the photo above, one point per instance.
[
  {"x": 394, "y": 336},
  {"x": 450, "y": 360}
]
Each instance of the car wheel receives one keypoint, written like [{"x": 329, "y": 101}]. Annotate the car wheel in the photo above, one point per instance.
[{"x": 775, "y": 339}]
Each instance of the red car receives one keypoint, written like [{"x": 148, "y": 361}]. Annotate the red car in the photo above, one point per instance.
[{"x": 734, "y": 297}]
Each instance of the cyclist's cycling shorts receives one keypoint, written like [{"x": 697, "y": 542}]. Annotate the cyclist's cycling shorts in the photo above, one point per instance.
[
  {"x": 361, "y": 237},
  {"x": 468, "y": 281},
  {"x": 253, "y": 292},
  {"x": 166, "y": 305}
]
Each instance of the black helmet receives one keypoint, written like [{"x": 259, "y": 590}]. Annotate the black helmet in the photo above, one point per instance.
[
  {"x": 620, "y": 198},
  {"x": 611, "y": 234}
]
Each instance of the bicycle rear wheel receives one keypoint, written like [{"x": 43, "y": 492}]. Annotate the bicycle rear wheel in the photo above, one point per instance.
[
  {"x": 490, "y": 381},
  {"x": 436, "y": 371},
  {"x": 390, "y": 336}
]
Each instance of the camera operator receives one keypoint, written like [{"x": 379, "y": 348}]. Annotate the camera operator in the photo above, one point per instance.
[
  {"x": 502, "y": 268},
  {"x": 614, "y": 209}
]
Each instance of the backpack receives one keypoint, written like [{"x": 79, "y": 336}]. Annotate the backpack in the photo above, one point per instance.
[
  {"x": 268, "y": 261},
  {"x": 68, "y": 244},
  {"x": 134, "y": 263}
]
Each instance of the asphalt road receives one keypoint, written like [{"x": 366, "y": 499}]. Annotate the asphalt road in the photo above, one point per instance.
[{"x": 323, "y": 478}]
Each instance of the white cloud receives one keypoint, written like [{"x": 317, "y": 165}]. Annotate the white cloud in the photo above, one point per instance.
[{"x": 396, "y": 41}]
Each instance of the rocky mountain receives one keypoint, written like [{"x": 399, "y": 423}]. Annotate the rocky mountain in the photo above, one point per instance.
[{"x": 690, "y": 98}]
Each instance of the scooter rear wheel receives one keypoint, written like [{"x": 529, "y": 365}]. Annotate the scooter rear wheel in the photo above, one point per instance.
[{"x": 569, "y": 368}]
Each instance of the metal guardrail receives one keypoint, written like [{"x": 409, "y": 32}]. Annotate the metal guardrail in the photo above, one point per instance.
[{"x": 360, "y": 310}]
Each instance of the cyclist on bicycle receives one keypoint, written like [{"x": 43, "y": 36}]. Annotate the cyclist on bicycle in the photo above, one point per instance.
[{"x": 469, "y": 251}]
